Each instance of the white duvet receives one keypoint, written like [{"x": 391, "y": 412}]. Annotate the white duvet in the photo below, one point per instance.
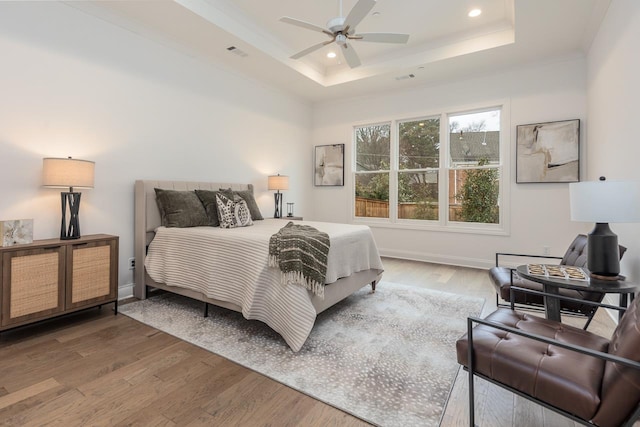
[{"x": 232, "y": 265}]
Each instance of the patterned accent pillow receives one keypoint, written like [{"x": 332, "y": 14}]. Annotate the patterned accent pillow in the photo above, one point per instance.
[
  {"x": 226, "y": 211},
  {"x": 247, "y": 196},
  {"x": 242, "y": 213}
]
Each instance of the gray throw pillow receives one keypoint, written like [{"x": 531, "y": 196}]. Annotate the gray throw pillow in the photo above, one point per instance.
[
  {"x": 247, "y": 196},
  {"x": 180, "y": 208},
  {"x": 208, "y": 199}
]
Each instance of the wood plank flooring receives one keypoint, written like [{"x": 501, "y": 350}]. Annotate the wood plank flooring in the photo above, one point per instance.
[{"x": 94, "y": 368}]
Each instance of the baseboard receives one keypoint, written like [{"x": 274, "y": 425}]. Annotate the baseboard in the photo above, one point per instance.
[
  {"x": 125, "y": 291},
  {"x": 438, "y": 258}
]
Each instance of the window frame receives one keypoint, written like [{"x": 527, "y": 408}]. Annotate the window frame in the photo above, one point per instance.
[{"x": 443, "y": 223}]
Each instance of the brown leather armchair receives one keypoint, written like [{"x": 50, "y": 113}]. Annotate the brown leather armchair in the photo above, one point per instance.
[
  {"x": 587, "y": 378},
  {"x": 576, "y": 255}
]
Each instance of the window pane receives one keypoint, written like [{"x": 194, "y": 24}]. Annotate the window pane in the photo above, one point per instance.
[
  {"x": 372, "y": 148},
  {"x": 419, "y": 144},
  {"x": 473, "y": 195},
  {"x": 475, "y": 139},
  {"x": 372, "y": 195},
  {"x": 418, "y": 195}
]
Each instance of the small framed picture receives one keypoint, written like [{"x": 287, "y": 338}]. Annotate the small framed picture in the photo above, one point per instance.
[
  {"x": 16, "y": 232},
  {"x": 548, "y": 152},
  {"x": 329, "y": 165}
]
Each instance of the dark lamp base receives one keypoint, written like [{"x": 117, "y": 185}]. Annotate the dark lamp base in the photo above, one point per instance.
[
  {"x": 603, "y": 253},
  {"x": 71, "y": 230},
  {"x": 278, "y": 200},
  {"x": 69, "y": 237}
]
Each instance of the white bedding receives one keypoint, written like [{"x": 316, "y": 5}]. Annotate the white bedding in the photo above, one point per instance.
[{"x": 232, "y": 265}]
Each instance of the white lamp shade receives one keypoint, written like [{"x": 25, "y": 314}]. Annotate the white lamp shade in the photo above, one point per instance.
[
  {"x": 605, "y": 201},
  {"x": 278, "y": 182},
  {"x": 66, "y": 173}
]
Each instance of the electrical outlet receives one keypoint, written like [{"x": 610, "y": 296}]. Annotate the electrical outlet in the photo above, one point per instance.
[
  {"x": 132, "y": 263},
  {"x": 546, "y": 250}
]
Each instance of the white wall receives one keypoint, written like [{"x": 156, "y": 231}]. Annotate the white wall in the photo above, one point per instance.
[
  {"x": 613, "y": 99},
  {"x": 72, "y": 85},
  {"x": 539, "y": 212}
]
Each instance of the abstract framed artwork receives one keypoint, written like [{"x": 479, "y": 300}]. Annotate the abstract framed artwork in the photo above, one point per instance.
[
  {"x": 329, "y": 165},
  {"x": 16, "y": 232},
  {"x": 548, "y": 152}
]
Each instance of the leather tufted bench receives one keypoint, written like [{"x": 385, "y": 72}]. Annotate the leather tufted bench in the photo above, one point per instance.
[
  {"x": 576, "y": 255},
  {"x": 592, "y": 389}
]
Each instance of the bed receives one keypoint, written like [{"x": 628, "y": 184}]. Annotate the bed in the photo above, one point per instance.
[{"x": 229, "y": 267}]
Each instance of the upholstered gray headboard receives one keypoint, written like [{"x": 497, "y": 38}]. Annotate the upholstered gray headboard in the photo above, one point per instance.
[{"x": 147, "y": 215}]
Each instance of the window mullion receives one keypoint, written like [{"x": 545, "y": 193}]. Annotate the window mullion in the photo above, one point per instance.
[
  {"x": 443, "y": 173},
  {"x": 393, "y": 172}
]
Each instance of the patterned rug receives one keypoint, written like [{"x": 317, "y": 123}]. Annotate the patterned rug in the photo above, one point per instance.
[{"x": 387, "y": 358}]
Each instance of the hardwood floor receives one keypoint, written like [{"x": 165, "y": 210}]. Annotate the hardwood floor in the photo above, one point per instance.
[{"x": 94, "y": 368}]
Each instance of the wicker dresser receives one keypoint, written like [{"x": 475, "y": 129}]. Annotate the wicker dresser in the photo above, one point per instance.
[{"x": 51, "y": 277}]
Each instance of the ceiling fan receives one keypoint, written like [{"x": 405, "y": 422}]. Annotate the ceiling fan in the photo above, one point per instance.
[{"x": 342, "y": 29}]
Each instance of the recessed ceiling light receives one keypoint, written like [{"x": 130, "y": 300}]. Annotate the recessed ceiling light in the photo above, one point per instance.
[
  {"x": 331, "y": 55},
  {"x": 375, "y": 14},
  {"x": 474, "y": 12}
]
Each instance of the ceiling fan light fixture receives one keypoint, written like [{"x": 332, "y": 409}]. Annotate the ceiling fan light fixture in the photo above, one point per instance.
[
  {"x": 342, "y": 30},
  {"x": 473, "y": 13}
]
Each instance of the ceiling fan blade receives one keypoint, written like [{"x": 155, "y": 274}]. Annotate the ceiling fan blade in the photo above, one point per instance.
[
  {"x": 310, "y": 49},
  {"x": 306, "y": 25},
  {"x": 350, "y": 56},
  {"x": 381, "y": 37},
  {"x": 359, "y": 11}
]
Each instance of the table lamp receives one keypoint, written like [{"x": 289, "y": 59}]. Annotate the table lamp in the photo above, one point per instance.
[
  {"x": 603, "y": 202},
  {"x": 68, "y": 173},
  {"x": 278, "y": 182}
]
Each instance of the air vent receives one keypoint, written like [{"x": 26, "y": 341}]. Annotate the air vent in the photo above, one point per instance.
[
  {"x": 408, "y": 76},
  {"x": 237, "y": 51}
]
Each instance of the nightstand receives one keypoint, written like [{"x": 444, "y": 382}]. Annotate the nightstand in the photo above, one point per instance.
[{"x": 292, "y": 218}]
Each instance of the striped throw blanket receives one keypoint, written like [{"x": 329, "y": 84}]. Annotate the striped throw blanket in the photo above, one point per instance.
[{"x": 300, "y": 251}]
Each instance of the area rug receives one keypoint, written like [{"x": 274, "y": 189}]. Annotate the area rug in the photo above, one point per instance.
[{"x": 386, "y": 357}]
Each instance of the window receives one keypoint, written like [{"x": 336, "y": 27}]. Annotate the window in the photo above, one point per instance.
[
  {"x": 373, "y": 162},
  {"x": 418, "y": 162},
  {"x": 474, "y": 167},
  {"x": 433, "y": 171}
]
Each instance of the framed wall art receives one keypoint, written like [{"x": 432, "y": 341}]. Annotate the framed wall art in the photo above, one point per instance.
[
  {"x": 548, "y": 152},
  {"x": 16, "y": 232},
  {"x": 329, "y": 165}
]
